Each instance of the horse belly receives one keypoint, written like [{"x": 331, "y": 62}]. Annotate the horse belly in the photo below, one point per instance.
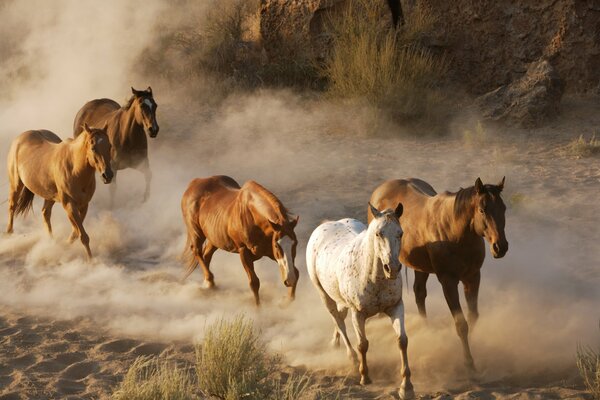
[{"x": 37, "y": 177}]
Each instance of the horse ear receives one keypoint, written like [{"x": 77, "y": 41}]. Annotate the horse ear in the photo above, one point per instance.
[
  {"x": 399, "y": 210},
  {"x": 374, "y": 211},
  {"x": 135, "y": 92},
  {"x": 275, "y": 225},
  {"x": 86, "y": 127},
  {"x": 149, "y": 90},
  {"x": 105, "y": 127},
  {"x": 479, "y": 186},
  {"x": 294, "y": 221},
  {"x": 501, "y": 184}
]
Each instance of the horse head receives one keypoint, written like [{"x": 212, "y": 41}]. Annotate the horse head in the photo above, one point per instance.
[
  {"x": 145, "y": 110},
  {"x": 489, "y": 218},
  {"x": 98, "y": 149},
  {"x": 385, "y": 233},
  {"x": 284, "y": 244}
]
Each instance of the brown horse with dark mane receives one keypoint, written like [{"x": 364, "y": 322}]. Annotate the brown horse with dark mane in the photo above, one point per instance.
[
  {"x": 39, "y": 163},
  {"x": 444, "y": 235},
  {"x": 127, "y": 128},
  {"x": 248, "y": 220}
]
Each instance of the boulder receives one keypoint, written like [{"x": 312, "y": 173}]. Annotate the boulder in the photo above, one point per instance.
[{"x": 527, "y": 102}]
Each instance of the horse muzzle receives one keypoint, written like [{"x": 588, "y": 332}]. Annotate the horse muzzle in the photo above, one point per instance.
[
  {"x": 107, "y": 176},
  {"x": 499, "y": 248},
  {"x": 153, "y": 131}
]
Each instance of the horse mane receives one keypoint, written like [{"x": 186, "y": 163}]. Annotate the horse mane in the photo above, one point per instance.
[
  {"x": 273, "y": 200},
  {"x": 463, "y": 197},
  {"x": 129, "y": 102}
]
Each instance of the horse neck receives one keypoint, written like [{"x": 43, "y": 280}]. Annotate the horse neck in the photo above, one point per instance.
[
  {"x": 460, "y": 221},
  {"x": 77, "y": 154},
  {"x": 368, "y": 264},
  {"x": 265, "y": 207},
  {"x": 127, "y": 122}
]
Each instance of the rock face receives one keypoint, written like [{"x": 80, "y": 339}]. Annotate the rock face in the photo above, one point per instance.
[
  {"x": 489, "y": 43},
  {"x": 527, "y": 102}
]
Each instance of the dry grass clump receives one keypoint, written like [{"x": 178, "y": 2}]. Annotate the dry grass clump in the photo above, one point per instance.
[
  {"x": 581, "y": 147},
  {"x": 233, "y": 363},
  {"x": 392, "y": 70},
  {"x": 301, "y": 386},
  {"x": 588, "y": 363},
  {"x": 150, "y": 378}
]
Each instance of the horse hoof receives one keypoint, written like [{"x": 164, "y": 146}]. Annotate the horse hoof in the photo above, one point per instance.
[
  {"x": 209, "y": 285},
  {"x": 365, "y": 380},
  {"x": 406, "y": 393}
]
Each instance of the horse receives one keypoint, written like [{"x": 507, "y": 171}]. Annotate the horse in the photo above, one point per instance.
[
  {"x": 40, "y": 163},
  {"x": 356, "y": 268},
  {"x": 444, "y": 235},
  {"x": 127, "y": 130},
  {"x": 248, "y": 220}
]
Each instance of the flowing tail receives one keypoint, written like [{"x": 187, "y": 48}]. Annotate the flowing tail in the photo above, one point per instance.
[
  {"x": 24, "y": 201},
  {"x": 189, "y": 258}
]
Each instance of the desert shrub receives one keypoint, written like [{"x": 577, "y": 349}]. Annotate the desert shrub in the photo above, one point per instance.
[
  {"x": 581, "y": 147},
  {"x": 150, "y": 378},
  {"x": 392, "y": 70},
  {"x": 588, "y": 363},
  {"x": 232, "y": 362},
  {"x": 301, "y": 386}
]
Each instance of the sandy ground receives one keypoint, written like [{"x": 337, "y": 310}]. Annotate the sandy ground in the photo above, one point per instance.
[{"x": 70, "y": 329}]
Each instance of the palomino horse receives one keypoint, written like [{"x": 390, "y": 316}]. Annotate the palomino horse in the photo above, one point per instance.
[
  {"x": 248, "y": 220},
  {"x": 356, "y": 268},
  {"x": 127, "y": 130},
  {"x": 40, "y": 163},
  {"x": 443, "y": 235}
]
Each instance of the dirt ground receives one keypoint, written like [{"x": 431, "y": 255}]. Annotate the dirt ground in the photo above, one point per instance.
[{"x": 69, "y": 329}]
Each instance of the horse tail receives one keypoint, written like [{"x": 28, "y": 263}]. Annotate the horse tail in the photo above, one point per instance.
[
  {"x": 189, "y": 258},
  {"x": 24, "y": 201}
]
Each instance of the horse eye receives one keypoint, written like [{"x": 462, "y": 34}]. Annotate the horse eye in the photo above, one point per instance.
[{"x": 481, "y": 210}]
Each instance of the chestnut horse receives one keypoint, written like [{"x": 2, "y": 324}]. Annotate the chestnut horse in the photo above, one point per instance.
[
  {"x": 248, "y": 220},
  {"x": 444, "y": 235},
  {"x": 39, "y": 163},
  {"x": 127, "y": 130}
]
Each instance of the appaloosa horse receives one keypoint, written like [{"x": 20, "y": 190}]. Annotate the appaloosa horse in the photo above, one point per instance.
[
  {"x": 444, "y": 235},
  {"x": 127, "y": 128},
  {"x": 356, "y": 268},
  {"x": 248, "y": 220},
  {"x": 40, "y": 163}
]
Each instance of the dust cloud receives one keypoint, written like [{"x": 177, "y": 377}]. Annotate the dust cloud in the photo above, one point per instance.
[{"x": 536, "y": 304}]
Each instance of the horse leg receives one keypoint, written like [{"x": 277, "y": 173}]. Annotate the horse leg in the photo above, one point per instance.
[
  {"x": 358, "y": 320},
  {"x": 47, "y": 213},
  {"x": 471, "y": 286},
  {"x": 74, "y": 215},
  {"x": 112, "y": 189},
  {"x": 13, "y": 198},
  {"x": 450, "y": 287},
  {"x": 396, "y": 314},
  {"x": 207, "y": 253},
  {"x": 145, "y": 169},
  {"x": 248, "y": 263},
  {"x": 420, "y": 289}
]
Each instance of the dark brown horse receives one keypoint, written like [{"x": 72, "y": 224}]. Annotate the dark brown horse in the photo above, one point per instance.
[
  {"x": 127, "y": 130},
  {"x": 444, "y": 235},
  {"x": 248, "y": 220}
]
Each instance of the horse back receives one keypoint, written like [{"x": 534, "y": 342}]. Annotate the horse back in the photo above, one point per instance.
[
  {"x": 413, "y": 193},
  {"x": 95, "y": 113}
]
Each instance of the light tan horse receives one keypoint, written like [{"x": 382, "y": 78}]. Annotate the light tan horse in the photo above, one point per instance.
[
  {"x": 39, "y": 163},
  {"x": 127, "y": 128},
  {"x": 444, "y": 235},
  {"x": 248, "y": 220}
]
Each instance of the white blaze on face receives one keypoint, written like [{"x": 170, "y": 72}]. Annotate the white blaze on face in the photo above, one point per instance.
[
  {"x": 287, "y": 262},
  {"x": 148, "y": 103}
]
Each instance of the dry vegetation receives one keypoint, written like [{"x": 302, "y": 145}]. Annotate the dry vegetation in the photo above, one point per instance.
[
  {"x": 580, "y": 147},
  {"x": 232, "y": 363},
  {"x": 588, "y": 363}
]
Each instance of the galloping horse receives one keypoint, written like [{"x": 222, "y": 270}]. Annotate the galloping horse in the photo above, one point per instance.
[
  {"x": 40, "y": 163},
  {"x": 127, "y": 130},
  {"x": 248, "y": 220},
  {"x": 443, "y": 235},
  {"x": 356, "y": 268}
]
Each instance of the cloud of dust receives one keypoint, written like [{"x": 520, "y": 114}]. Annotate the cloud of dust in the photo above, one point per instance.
[{"x": 535, "y": 304}]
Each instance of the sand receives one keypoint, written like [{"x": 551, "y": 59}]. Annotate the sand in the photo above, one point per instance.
[{"x": 70, "y": 329}]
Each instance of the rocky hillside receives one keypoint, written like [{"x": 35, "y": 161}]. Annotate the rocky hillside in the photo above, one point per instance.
[{"x": 489, "y": 43}]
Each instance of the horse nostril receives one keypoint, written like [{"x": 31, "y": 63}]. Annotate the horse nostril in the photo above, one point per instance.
[
  {"x": 386, "y": 268},
  {"x": 286, "y": 283},
  {"x": 496, "y": 247}
]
